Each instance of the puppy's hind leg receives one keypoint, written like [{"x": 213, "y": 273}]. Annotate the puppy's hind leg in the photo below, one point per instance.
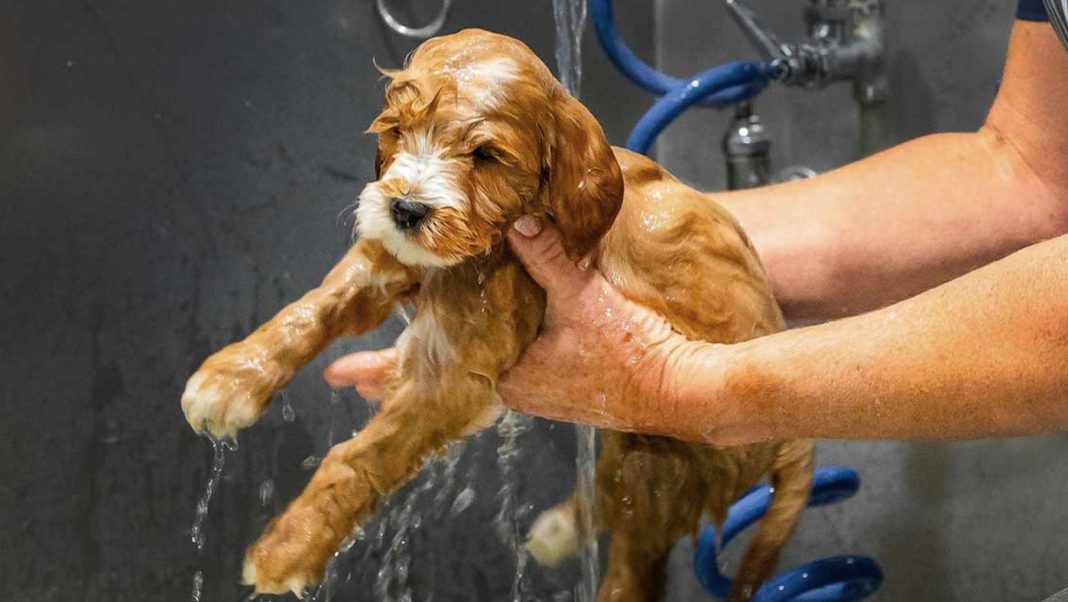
[
  {"x": 648, "y": 497},
  {"x": 353, "y": 478},
  {"x": 792, "y": 482}
]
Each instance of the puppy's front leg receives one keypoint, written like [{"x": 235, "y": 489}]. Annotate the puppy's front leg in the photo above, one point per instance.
[
  {"x": 234, "y": 386},
  {"x": 462, "y": 338}
]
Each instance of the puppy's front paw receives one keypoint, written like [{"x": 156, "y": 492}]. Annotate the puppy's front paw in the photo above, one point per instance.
[{"x": 230, "y": 391}]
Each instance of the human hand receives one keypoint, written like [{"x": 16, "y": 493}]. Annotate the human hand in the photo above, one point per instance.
[{"x": 600, "y": 359}]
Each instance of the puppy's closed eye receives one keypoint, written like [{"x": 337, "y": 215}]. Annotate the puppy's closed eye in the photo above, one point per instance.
[{"x": 484, "y": 154}]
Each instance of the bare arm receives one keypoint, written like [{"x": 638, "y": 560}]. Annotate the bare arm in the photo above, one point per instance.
[
  {"x": 984, "y": 355},
  {"x": 917, "y": 215}
]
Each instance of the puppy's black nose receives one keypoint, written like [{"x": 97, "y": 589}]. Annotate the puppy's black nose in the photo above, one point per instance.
[{"x": 407, "y": 214}]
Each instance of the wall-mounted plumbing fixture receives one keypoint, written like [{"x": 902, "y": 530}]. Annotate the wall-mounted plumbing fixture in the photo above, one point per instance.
[
  {"x": 420, "y": 33},
  {"x": 747, "y": 148},
  {"x": 845, "y": 43}
]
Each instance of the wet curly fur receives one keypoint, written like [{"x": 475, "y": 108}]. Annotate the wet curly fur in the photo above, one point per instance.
[{"x": 476, "y": 129}]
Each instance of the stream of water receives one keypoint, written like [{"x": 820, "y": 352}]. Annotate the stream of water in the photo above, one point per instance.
[
  {"x": 570, "y": 17},
  {"x": 196, "y": 534}
]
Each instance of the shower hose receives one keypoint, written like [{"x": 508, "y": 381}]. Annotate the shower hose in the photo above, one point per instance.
[{"x": 838, "y": 579}]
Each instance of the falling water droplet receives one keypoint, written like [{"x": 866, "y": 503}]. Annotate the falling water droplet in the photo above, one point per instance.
[
  {"x": 198, "y": 584},
  {"x": 266, "y": 492},
  {"x": 288, "y": 413},
  {"x": 309, "y": 463},
  {"x": 335, "y": 397},
  {"x": 462, "y": 502}
]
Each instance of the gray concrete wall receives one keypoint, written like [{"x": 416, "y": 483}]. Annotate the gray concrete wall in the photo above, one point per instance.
[
  {"x": 967, "y": 521},
  {"x": 172, "y": 173}
]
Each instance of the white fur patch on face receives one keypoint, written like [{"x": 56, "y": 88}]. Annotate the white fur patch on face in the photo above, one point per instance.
[
  {"x": 374, "y": 221},
  {"x": 428, "y": 179}
]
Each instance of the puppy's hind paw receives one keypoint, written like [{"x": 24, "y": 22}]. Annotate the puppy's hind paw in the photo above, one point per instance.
[
  {"x": 295, "y": 585},
  {"x": 554, "y": 536}
]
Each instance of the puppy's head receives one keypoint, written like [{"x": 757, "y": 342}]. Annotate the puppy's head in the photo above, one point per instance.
[{"x": 475, "y": 133}]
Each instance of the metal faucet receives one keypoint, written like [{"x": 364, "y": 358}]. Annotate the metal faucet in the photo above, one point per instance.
[
  {"x": 845, "y": 43},
  {"x": 747, "y": 146}
]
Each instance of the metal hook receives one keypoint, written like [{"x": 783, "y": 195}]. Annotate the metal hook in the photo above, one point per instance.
[{"x": 420, "y": 33}]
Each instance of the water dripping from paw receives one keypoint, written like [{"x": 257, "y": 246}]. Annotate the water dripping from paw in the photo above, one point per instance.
[
  {"x": 219, "y": 446},
  {"x": 196, "y": 533}
]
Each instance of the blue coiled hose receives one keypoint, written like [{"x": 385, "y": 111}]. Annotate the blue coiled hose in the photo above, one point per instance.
[
  {"x": 839, "y": 579},
  {"x": 726, "y": 84},
  {"x": 717, "y": 87}
]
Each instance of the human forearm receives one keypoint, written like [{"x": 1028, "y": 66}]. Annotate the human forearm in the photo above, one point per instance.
[
  {"x": 984, "y": 355},
  {"x": 917, "y": 215},
  {"x": 895, "y": 224}
]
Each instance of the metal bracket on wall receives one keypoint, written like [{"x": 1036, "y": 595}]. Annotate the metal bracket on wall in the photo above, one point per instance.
[{"x": 420, "y": 33}]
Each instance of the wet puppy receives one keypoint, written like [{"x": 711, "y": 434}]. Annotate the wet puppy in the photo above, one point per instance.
[{"x": 475, "y": 133}]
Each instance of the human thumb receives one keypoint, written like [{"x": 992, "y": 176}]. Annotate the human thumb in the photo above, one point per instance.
[{"x": 539, "y": 248}]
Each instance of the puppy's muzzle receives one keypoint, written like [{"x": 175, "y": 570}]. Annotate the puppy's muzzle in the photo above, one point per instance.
[{"x": 408, "y": 214}]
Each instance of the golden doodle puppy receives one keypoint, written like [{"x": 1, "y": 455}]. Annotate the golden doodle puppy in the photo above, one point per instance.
[{"x": 475, "y": 133}]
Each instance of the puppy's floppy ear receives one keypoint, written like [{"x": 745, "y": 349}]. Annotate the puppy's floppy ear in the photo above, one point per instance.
[
  {"x": 582, "y": 183},
  {"x": 382, "y": 125}
]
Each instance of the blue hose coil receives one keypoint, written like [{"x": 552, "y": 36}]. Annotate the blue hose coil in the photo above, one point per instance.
[
  {"x": 717, "y": 87},
  {"x": 726, "y": 84},
  {"x": 839, "y": 579}
]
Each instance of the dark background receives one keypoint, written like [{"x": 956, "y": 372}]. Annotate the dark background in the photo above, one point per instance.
[{"x": 173, "y": 172}]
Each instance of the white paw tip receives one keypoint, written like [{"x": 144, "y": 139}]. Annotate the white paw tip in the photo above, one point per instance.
[
  {"x": 248, "y": 573},
  {"x": 553, "y": 537},
  {"x": 296, "y": 585},
  {"x": 240, "y": 414}
]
